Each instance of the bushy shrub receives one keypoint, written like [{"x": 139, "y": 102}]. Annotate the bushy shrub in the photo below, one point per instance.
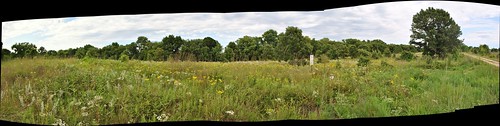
[
  {"x": 406, "y": 55},
  {"x": 124, "y": 58},
  {"x": 323, "y": 59},
  {"x": 387, "y": 52},
  {"x": 364, "y": 53},
  {"x": 376, "y": 55},
  {"x": 363, "y": 61}
]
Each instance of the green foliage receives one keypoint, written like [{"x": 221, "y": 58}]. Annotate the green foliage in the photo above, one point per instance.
[
  {"x": 376, "y": 55},
  {"x": 363, "y": 53},
  {"x": 437, "y": 23},
  {"x": 124, "y": 57},
  {"x": 363, "y": 62},
  {"x": 323, "y": 59},
  {"x": 285, "y": 46},
  {"x": 406, "y": 55},
  {"x": 24, "y": 49},
  {"x": 292, "y": 45},
  {"x": 387, "y": 52},
  {"x": 484, "y": 49}
]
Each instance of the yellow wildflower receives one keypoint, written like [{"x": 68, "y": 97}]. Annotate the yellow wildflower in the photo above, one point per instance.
[
  {"x": 212, "y": 83},
  {"x": 146, "y": 79},
  {"x": 412, "y": 78},
  {"x": 194, "y": 77},
  {"x": 220, "y": 80},
  {"x": 220, "y": 92},
  {"x": 392, "y": 82}
]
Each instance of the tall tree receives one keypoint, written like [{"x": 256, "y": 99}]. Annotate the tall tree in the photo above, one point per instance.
[
  {"x": 42, "y": 50},
  {"x": 24, "y": 49},
  {"x": 435, "y": 31},
  {"x": 270, "y": 37},
  {"x": 171, "y": 44},
  {"x": 6, "y": 53},
  {"x": 291, "y": 44}
]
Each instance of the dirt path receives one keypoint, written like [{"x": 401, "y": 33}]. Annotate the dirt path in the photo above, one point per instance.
[{"x": 492, "y": 62}]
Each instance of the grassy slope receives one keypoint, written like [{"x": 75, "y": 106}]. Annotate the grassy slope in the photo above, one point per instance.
[{"x": 108, "y": 92}]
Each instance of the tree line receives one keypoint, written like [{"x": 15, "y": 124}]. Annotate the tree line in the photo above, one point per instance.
[{"x": 290, "y": 45}]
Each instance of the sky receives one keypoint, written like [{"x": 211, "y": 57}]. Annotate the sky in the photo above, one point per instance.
[{"x": 390, "y": 22}]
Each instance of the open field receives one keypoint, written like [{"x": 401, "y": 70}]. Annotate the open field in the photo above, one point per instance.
[{"x": 96, "y": 91}]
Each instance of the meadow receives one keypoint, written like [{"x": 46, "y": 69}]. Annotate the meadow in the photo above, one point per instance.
[{"x": 98, "y": 91}]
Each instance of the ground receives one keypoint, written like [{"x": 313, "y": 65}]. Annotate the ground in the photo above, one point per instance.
[{"x": 96, "y": 91}]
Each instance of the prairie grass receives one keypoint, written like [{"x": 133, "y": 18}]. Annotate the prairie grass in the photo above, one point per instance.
[{"x": 97, "y": 91}]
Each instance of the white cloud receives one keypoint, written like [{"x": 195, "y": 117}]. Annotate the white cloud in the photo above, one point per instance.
[{"x": 387, "y": 21}]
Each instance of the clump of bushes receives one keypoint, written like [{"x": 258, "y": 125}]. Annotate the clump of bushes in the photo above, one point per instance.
[
  {"x": 364, "y": 53},
  {"x": 406, "y": 55},
  {"x": 376, "y": 55},
  {"x": 363, "y": 61},
  {"x": 124, "y": 58},
  {"x": 323, "y": 59}
]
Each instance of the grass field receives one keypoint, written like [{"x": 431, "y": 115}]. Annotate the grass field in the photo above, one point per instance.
[{"x": 95, "y": 91}]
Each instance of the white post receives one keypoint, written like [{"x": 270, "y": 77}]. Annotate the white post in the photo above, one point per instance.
[{"x": 311, "y": 60}]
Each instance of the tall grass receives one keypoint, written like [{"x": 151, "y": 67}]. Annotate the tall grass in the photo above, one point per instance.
[{"x": 94, "y": 91}]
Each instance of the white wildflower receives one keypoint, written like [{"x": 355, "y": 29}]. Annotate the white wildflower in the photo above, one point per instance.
[
  {"x": 188, "y": 93},
  {"x": 51, "y": 96},
  {"x": 231, "y": 112},
  {"x": 110, "y": 103},
  {"x": 84, "y": 108},
  {"x": 85, "y": 114},
  {"x": 162, "y": 117},
  {"x": 130, "y": 121},
  {"x": 42, "y": 107},
  {"x": 21, "y": 99},
  {"x": 90, "y": 103},
  {"x": 226, "y": 87},
  {"x": 199, "y": 100},
  {"x": 435, "y": 101},
  {"x": 97, "y": 97},
  {"x": 176, "y": 83},
  {"x": 331, "y": 77},
  {"x": 80, "y": 124},
  {"x": 315, "y": 93},
  {"x": 277, "y": 99},
  {"x": 78, "y": 103},
  {"x": 59, "y": 122}
]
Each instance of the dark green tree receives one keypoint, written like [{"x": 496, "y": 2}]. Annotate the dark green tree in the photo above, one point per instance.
[
  {"x": 435, "y": 31},
  {"x": 24, "y": 49},
  {"x": 484, "y": 49}
]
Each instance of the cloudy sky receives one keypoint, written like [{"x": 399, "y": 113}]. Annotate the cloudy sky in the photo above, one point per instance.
[{"x": 389, "y": 22}]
